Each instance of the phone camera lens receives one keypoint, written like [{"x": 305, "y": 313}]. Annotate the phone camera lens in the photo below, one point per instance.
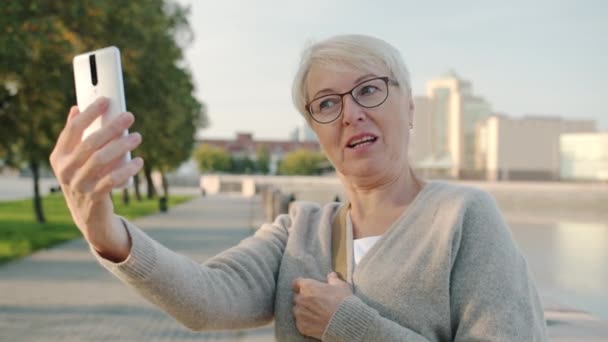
[{"x": 93, "y": 66}]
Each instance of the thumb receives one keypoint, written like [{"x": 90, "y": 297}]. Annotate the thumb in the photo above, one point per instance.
[{"x": 333, "y": 279}]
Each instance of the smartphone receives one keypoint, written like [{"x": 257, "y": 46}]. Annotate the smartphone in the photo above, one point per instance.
[{"x": 99, "y": 73}]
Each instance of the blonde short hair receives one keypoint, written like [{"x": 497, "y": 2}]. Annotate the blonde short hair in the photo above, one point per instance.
[{"x": 349, "y": 52}]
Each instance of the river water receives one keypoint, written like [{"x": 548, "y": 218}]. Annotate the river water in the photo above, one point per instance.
[{"x": 569, "y": 261}]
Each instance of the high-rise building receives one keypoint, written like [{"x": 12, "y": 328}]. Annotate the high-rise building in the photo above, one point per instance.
[
  {"x": 584, "y": 156},
  {"x": 524, "y": 148},
  {"x": 443, "y": 140},
  {"x": 306, "y": 133},
  {"x": 303, "y": 133},
  {"x": 421, "y": 138}
]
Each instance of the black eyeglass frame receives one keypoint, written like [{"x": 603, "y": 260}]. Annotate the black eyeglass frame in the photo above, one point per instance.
[{"x": 386, "y": 80}]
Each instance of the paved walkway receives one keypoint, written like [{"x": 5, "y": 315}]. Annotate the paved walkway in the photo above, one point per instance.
[
  {"x": 16, "y": 188},
  {"x": 62, "y": 294}
]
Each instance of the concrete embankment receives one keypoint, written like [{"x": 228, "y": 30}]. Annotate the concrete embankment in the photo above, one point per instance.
[{"x": 531, "y": 201}]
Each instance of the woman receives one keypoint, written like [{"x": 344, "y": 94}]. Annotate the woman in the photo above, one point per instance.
[{"x": 405, "y": 260}]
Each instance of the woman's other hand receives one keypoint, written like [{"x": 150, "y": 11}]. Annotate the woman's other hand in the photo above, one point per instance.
[
  {"x": 315, "y": 303},
  {"x": 88, "y": 169}
]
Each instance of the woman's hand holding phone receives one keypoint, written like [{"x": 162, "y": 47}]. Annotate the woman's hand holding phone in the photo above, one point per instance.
[{"x": 89, "y": 169}]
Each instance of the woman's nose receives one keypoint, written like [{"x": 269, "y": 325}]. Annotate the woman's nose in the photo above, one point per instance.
[{"x": 352, "y": 111}]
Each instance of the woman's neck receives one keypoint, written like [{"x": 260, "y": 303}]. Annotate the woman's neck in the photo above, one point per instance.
[{"x": 374, "y": 207}]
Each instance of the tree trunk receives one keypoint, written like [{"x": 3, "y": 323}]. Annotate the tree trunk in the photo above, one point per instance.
[
  {"x": 151, "y": 188},
  {"x": 38, "y": 210},
  {"x": 165, "y": 185},
  {"x": 125, "y": 196},
  {"x": 136, "y": 186},
  {"x": 164, "y": 199}
]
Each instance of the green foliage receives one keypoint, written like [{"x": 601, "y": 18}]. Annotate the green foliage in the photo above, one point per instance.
[
  {"x": 21, "y": 235},
  {"x": 212, "y": 159},
  {"x": 243, "y": 165},
  {"x": 216, "y": 159},
  {"x": 35, "y": 56},
  {"x": 38, "y": 40},
  {"x": 302, "y": 162},
  {"x": 262, "y": 159}
]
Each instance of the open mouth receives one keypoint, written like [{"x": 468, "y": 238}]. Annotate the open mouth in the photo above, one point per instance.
[{"x": 368, "y": 140}]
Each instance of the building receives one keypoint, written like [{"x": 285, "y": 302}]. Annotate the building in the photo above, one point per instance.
[
  {"x": 445, "y": 120},
  {"x": 421, "y": 136},
  {"x": 525, "y": 148},
  {"x": 306, "y": 133},
  {"x": 244, "y": 146},
  {"x": 303, "y": 132},
  {"x": 584, "y": 156}
]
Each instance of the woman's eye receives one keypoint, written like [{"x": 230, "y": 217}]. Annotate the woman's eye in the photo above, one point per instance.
[
  {"x": 327, "y": 104},
  {"x": 368, "y": 90}
]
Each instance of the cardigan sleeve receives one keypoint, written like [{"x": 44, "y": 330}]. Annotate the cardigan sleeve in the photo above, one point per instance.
[
  {"x": 354, "y": 320},
  {"x": 492, "y": 293},
  {"x": 235, "y": 289}
]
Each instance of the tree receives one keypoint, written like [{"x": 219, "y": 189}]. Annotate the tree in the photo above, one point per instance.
[
  {"x": 39, "y": 39},
  {"x": 36, "y": 50},
  {"x": 178, "y": 133},
  {"x": 262, "y": 159},
  {"x": 6, "y": 131},
  {"x": 242, "y": 165},
  {"x": 301, "y": 162},
  {"x": 168, "y": 121},
  {"x": 212, "y": 159}
]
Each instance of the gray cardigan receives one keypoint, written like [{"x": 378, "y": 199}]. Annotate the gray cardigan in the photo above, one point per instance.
[{"x": 447, "y": 269}]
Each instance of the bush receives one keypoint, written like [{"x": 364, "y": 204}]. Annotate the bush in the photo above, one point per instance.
[{"x": 302, "y": 162}]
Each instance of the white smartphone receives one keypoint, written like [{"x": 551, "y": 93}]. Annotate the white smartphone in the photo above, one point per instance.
[{"x": 99, "y": 73}]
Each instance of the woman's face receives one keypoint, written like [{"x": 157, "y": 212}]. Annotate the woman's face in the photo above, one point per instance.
[{"x": 384, "y": 128}]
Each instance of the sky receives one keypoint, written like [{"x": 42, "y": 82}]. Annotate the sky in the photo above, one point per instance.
[{"x": 540, "y": 57}]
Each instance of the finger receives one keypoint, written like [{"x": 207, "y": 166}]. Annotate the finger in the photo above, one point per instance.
[
  {"x": 98, "y": 139},
  {"x": 304, "y": 319},
  {"x": 295, "y": 311},
  {"x": 301, "y": 284},
  {"x": 109, "y": 156},
  {"x": 297, "y": 298},
  {"x": 73, "y": 112},
  {"x": 299, "y": 314},
  {"x": 88, "y": 173},
  {"x": 296, "y": 285},
  {"x": 308, "y": 303},
  {"x": 113, "y": 165},
  {"x": 301, "y": 302},
  {"x": 333, "y": 279},
  {"x": 118, "y": 176},
  {"x": 63, "y": 134},
  {"x": 78, "y": 123}
]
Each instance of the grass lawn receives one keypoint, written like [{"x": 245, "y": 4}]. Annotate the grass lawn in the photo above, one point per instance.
[{"x": 21, "y": 235}]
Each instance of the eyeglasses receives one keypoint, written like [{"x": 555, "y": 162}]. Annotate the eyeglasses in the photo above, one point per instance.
[{"x": 368, "y": 94}]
